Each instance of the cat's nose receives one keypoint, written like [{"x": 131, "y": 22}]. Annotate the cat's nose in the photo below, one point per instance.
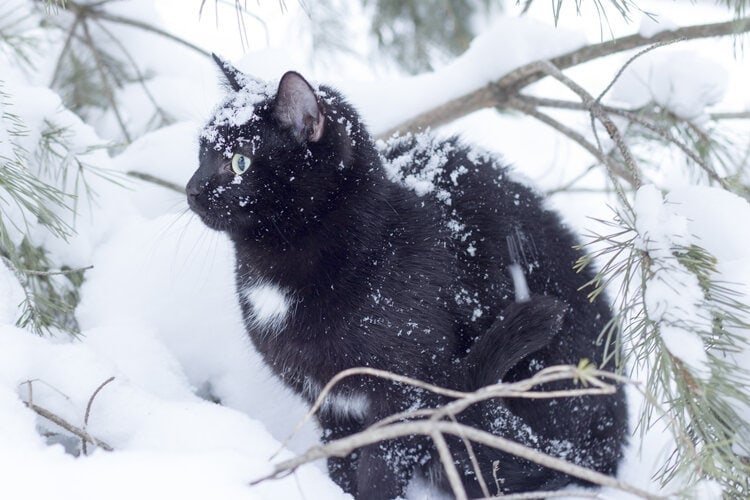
[
  {"x": 192, "y": 190},
  {"x": 194, "y": 187}
]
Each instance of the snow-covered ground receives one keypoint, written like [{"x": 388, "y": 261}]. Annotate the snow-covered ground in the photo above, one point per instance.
[{"x": 158, "y": 311}]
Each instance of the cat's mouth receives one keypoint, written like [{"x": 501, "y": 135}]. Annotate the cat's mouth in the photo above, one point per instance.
[{"x": 212, "y": 221}]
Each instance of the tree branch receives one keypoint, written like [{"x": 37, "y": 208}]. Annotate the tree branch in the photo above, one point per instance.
[
  {"x": 156, "y": 180},
  {"x": 633, "y": 174},
  {"x": 343, "y": 447},
  {"x": 497, "y": 93},
  {"x": 88, "y": 410}
]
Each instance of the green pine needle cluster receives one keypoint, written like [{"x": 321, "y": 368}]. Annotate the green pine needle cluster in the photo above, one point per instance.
[
  {"x": 48, "y": 302},
  {"x": 700, "y": 409}
]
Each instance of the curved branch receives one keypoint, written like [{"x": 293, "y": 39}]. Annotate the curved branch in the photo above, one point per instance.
[
  {"x": 344, "y": 446},
  {"x": 498, "y": 92},
  {"x": 156, "y": 180}
]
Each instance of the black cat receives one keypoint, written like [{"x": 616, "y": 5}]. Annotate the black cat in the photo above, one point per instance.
[{"x": 412, "y": 258}]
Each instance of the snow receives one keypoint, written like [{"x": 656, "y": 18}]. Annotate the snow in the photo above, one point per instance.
[
  {"x": 192, "y": 411},
  {"x": 652, "y": 24},
  {"x": 680, "y": 80},
  {"x": 520, "y": 40}
]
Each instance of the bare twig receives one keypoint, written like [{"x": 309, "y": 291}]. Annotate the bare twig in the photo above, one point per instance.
[
  {"x": 532, "y": 495},
  {"x": 85, "y": 436},
  {"x": 88, "y": 410},
  {"x": 498, "y": 92},
  {"x": 156, "y": 180},
  {"x": 33, "y": 272},
  {"x": 597, "y": 112},
  {"x": 613, "y": 169},
  {"x": 454, "y": 478},
  {"x": 520, "y": 389},
  {"x": 55, "y": 419},
  {"x": 738, "y": 115},
  {"x": 474, "y": 462},
  {"x": 343, "y": 447},
  {"x": 436, "y": 427},
  {"x": 630, "y": 61}
]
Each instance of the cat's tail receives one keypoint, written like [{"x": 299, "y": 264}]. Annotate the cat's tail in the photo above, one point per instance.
[{"x": 521, "y": 329}]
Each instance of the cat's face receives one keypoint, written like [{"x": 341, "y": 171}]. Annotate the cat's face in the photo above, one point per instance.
[{"x": 262, "y": 155}]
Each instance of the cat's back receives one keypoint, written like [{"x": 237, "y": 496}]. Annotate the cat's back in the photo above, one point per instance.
[{"x": 491, "y": 221}]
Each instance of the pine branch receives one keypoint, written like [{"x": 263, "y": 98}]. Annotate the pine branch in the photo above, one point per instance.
[
  {"x": 613, "y": 169},
  {"x": 646, "y": 120},
  {"x": 498, "y": 93},
  {"x": 108, "y": 90},
  {"x": 700, "y": 398}
]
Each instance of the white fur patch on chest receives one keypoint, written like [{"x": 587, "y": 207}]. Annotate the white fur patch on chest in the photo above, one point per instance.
[{"x": 269, "y": 304}]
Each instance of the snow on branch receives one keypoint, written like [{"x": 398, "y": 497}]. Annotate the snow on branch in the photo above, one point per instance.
[{"x": 499, "y": 92}]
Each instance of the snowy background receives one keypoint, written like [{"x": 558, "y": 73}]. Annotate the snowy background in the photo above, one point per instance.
[{"x": 158, "y": 311}]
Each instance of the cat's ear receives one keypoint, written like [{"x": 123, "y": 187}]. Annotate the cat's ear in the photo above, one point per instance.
[
  {"x": 232, "y": 74},
  {"x": 297, "y": 108}
]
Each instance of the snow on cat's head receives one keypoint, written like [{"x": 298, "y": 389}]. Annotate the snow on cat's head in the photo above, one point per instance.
[
  {"x": 239, "y": 106},
  {"x": 267, "y": 142}
]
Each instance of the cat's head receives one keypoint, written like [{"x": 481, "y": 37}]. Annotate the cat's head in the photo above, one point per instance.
[{"x": 272, "y": 153}]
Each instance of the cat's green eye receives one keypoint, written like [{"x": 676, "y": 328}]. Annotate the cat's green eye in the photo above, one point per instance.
[{"x": 240, "y": 163}]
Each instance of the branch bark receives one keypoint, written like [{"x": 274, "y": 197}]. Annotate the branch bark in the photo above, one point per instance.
[
  {"x": 498, "y": 93},
  {"x": 85, "y": 436}
]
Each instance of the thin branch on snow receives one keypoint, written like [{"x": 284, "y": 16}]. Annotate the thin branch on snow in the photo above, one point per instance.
[
  {"x": 432, "y": 423},
  {"x": 55, "y": 419},
  {"x": 497, "y": 93},
  {"x": 737, "y": 115},
  {"x": 88, "y": 410}
]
